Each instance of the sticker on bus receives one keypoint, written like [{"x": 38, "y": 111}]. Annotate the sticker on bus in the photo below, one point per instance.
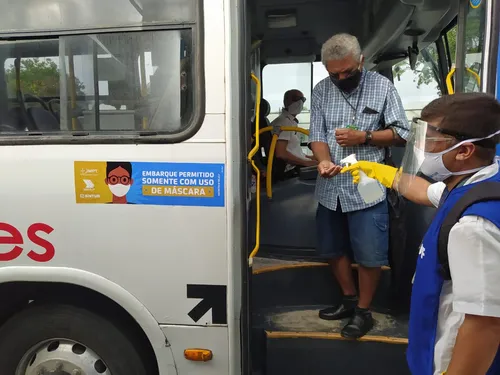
[
  {"x": 149, "y": 183},
  {"x": 475, "y": 3}
]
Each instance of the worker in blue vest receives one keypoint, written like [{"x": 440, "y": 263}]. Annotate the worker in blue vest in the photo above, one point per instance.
[{"x": 454, "y": 321}]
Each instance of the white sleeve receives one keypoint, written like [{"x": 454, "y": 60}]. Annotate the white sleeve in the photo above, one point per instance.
[
  {"x": 278, "y": 122},
  {"x": 285, "y": 136},
  {"x": 435, "y": 192},
  {"x": 474, "y": 258}
]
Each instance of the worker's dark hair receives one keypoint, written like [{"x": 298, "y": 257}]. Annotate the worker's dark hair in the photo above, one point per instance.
[
  {"x": 112, "y": 165},
  {"x": 467, "y": 116}
]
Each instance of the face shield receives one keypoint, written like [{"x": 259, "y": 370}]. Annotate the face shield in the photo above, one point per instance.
[
  {"x": 425, "y": 148},
  {"x": 424, "y": 139}
]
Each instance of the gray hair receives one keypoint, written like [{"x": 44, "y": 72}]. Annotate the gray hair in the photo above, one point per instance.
[{"x": 340, "y": 46}]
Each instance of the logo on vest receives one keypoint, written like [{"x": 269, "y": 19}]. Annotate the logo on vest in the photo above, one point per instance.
[{"x": 421, "y": 253}]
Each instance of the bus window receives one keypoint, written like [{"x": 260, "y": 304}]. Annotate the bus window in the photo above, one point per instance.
[
  {"x": 278, "y": 78},
  {"x": 474, "y": 45},
  {"x": 420, "y": 86},
  {"x": 114, "y": 82}
]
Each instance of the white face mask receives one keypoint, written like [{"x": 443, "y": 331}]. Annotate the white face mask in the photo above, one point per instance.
[
  {"x": 119, "y": 190},
  {"x": 433, "y": 166},
  {"x": 296, "y": 107}
]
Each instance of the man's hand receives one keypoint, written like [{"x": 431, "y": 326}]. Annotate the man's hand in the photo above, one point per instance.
[
  {"x": 350, "y": 137},
  {"x": 328, "y": 169}
]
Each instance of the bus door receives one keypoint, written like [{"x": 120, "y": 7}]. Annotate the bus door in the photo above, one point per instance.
[
  {"x": 440, "y": 52},
  {"x": 473, "y": 48}
]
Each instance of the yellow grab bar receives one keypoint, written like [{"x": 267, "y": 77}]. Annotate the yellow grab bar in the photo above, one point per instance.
[
  {"x": 452, "y": 72},
  {"x": 284, "y": 129},
  {"x": 294, "y": 129},
  {"x": 270, "y": 157},
  {"x": 269, "y": 175},
  {"x": 252, "y": 153}
]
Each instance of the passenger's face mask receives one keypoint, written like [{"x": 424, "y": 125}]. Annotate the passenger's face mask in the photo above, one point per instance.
[
  {"x": 119, "y": 190},
  {"x": 349, "y": 83},
  {"x": 296, "y": 107},
  {"x": 433, "y": 165}
]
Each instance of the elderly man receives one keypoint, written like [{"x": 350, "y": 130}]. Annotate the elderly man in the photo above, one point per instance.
[{"x": 352, "y": 111}]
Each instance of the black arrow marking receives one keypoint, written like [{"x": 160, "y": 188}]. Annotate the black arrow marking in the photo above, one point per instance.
[{"x": 212, "y": 297}]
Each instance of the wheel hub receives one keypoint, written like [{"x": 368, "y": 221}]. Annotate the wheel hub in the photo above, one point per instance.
[{"x": 61, "y": 357}]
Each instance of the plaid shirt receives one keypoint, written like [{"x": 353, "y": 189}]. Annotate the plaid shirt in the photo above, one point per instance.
[{"x": 375, "y": 99}]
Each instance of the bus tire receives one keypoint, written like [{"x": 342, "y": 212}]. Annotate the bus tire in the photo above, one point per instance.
[{"x": 43, "y": 332}]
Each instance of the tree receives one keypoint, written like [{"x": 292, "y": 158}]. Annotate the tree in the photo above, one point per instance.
[{"x": 39, "y": 77}]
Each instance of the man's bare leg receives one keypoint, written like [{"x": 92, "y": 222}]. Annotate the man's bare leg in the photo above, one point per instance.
[
  {"x": 368, "y": 282},
  {"x": 343, "y": 273}
]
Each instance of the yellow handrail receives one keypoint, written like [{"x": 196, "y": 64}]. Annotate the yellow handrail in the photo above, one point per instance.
[
  {"x": 270, "y": 157},
  {"x": 269, "y": 174},
  {"x": 252, "y": 153},
  {"x": 452, "y": 72}
]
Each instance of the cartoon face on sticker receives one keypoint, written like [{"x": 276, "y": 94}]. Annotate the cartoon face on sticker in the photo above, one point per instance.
[{"x": 119, "y": 180}]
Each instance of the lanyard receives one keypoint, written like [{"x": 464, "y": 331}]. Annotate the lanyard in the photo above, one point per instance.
[{"x": 355, "y": 109}]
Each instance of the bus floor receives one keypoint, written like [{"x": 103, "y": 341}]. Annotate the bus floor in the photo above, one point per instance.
[{"x": 289, "y": 337}]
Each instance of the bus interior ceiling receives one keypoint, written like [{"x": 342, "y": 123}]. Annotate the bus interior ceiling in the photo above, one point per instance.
[
  {"x": 289, "y": 283},
  {"x": 294, "y": 29}
]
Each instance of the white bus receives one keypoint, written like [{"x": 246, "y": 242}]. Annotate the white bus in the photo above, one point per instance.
[{"x": 130, "y": 241}]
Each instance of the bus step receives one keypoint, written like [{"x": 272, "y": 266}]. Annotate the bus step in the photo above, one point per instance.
[
  {"x": 294, "y": 283},
  {"x": 296, "y": 341},
  {"x": 330, "y": 355}
]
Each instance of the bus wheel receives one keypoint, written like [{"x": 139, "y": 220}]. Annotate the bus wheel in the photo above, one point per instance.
[{"x": 64, "y": 339}]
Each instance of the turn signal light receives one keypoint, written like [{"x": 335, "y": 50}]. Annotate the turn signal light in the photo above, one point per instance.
[{"x": 198, "y": 355}]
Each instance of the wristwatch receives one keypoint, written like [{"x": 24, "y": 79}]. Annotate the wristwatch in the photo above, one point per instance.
[{"x": 368, "y": 137}]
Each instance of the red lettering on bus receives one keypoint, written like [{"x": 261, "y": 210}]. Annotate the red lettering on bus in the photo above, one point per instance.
[
  {"x": 15, "y": 237},
  {"x": 43, "y": 243}
]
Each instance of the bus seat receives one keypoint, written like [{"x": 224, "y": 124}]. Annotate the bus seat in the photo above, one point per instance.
[
  {"x": 264, "y": 138},
  {"x": 14, "y": 119},
  {"x": 308, "y": 174},
  {"x": 43, "y": 119}
]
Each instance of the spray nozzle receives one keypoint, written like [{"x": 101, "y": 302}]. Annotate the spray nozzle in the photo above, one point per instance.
[{"x": 348, "y": 161}]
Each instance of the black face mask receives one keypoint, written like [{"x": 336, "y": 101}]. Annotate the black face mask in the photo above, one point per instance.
[{"x": 348, "y": 84}]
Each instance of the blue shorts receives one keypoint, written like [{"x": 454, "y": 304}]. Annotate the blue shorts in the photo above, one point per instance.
[{"x": 363, "y": 233}]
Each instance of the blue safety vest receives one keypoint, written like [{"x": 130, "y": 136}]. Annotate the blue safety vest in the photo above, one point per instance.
[{"x": 428, "y": 282}]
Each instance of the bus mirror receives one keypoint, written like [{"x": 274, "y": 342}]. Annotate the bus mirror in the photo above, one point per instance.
[{"x": 412, "y": 56}]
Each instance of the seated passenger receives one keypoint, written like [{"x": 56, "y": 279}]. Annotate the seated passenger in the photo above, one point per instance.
[
  {"x": 265, "y": 138},
  {"x": 288, "y": 147}
]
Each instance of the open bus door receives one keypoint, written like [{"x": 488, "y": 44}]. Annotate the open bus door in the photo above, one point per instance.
[{"x": 289, "y": 285}]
